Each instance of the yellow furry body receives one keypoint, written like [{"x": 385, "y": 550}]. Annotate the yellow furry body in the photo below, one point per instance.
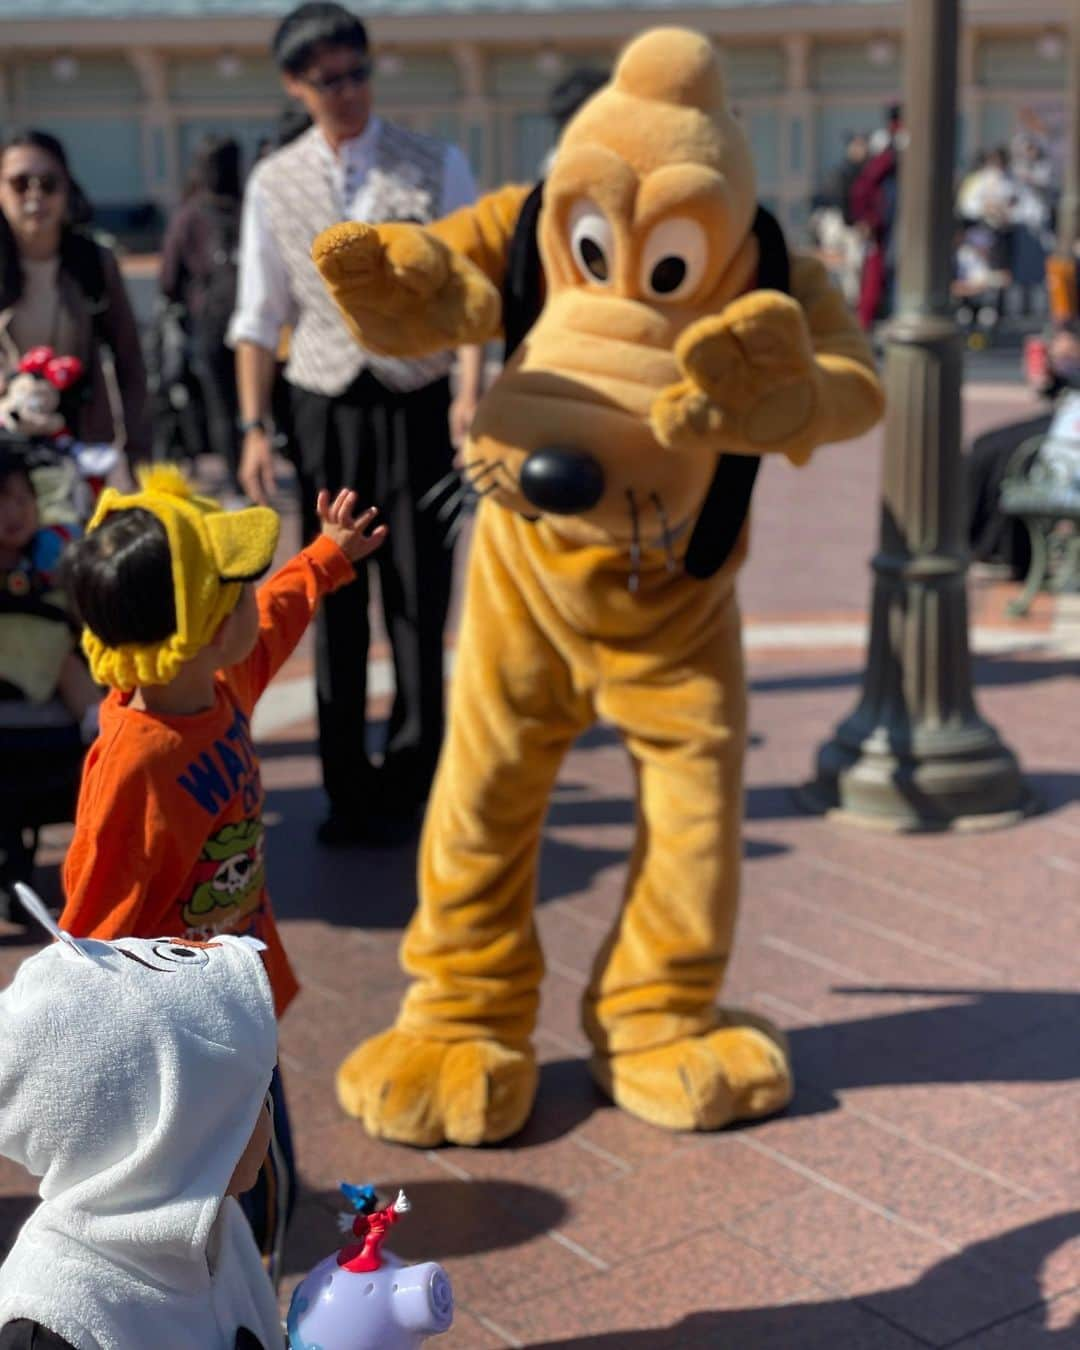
[{"x": 574, "y": 617}]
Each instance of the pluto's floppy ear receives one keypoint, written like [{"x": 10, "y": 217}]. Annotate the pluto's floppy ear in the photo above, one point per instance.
[{"x": 727, "y": 501}]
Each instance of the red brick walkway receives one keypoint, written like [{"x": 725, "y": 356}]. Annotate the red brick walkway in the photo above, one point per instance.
[{"x": 922, "y": 1190}]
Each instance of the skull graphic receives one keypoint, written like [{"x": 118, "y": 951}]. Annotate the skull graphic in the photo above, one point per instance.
[
  {"x": 233, "y": 875},
  {"x": 229, "y": 873}
]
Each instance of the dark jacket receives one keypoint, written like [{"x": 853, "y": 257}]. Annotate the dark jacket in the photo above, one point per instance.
[
  {"x": 106, "y": 335},
  {"x": 190, "y": 251}
]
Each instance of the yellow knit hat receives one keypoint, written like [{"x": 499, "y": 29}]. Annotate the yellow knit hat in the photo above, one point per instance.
[{"x": 213, "y": 553}]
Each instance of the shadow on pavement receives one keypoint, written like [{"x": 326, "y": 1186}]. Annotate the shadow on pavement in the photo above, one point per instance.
[
  {"x": 990, "y": 670},
  {"x": 450, "y": 1220},
  {"x": 14, "y": 1211},
  {"x": 376, "y": 888},
  {"x": 984, "y": 1036},
  {"x": 871, "y": 1320}
]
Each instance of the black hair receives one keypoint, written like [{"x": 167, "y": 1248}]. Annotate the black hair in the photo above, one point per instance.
[
  {"x": 75, "y": 245},
  {"x": 572, "y": 91},
  {"x": 119, "y": 578},
  {"x": 292, "y": 121},
  {"x": 215, "y": 168},
  {"x": 308, "y": 27},
  {"x": 13, "y": 465}
]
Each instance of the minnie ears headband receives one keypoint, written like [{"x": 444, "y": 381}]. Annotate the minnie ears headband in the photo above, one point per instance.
[{"x": 60, "y": 371}]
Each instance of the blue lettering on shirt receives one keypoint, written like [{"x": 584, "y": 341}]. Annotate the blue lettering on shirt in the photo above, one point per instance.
[{"x": 228, "y": 767}]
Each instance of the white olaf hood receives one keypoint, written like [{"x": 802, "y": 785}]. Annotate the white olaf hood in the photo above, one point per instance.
[{"x": 131, "y": 1078}]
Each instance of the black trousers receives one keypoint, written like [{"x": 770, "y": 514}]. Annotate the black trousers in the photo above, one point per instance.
[
  {"x": 215, "y": 368},
  {"x": 391, "y": 448},
  {"x": 992, "y": 536}
]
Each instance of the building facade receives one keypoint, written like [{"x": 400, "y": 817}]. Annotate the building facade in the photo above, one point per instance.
[{"x": 130, "y": 86}]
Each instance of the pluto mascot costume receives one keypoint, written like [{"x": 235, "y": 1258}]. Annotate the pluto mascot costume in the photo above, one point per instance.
[{"x": 615, "y": 454}]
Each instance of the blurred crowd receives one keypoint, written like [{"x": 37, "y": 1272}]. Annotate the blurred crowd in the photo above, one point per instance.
[{"x": 1004, "y": 219}]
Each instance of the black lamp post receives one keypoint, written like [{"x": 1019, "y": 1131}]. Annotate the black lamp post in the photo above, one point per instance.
[{"x": 915, "y": 754}]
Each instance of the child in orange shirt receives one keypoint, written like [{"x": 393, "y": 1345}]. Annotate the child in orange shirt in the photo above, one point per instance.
[{"x": 168, "y": 829}]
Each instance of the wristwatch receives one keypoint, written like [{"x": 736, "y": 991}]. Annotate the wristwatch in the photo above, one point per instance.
[{"x": 252, "y": 424}]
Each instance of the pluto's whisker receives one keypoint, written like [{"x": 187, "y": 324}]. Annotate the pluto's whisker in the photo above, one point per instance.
[
  {"x": 635, "y": 544},
  {"x": 456, "y": 526},
  {"x": 665, "y": 528},
  {"x": 437, "y": 489},
  {"x": 453, "y": 502}
]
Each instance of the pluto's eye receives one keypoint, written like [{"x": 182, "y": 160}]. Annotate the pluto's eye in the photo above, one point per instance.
[
  {"x": 179, "y": 955},
  {"x": 674, "y": 259},
  {"x": 592, "y": 242}
]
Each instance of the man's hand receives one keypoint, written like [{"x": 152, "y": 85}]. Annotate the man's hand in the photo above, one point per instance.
[
  {"x": 462, "y": 412},
  {"x": 345, "y": 1221},
  {"x": 402, "y": 1204},
  {"x": 257, "y": 467},
  {"x": 347, "y": 530}
]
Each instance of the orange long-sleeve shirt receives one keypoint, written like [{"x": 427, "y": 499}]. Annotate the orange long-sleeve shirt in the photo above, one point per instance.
[{"x": 168, "y": 830}]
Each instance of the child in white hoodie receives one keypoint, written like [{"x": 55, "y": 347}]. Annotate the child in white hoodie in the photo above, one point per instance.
[{"x": 133, "y": 1081}]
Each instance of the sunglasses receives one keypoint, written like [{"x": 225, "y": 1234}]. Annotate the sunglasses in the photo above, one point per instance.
[
  {"x": 46, "y": 183},
  {"x": 337, "y": 84}
]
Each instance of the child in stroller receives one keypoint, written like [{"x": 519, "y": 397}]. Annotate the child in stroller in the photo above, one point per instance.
[
  {"x": 48, "y": 702},
  {"x": 978, "y": 286}
]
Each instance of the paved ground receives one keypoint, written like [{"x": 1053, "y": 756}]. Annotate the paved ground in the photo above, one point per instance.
[{"x": 923, "y": 1188}]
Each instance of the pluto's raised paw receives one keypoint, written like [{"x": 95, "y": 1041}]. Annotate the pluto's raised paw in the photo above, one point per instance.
[
  {"x": 413, "y": 1090},
  {"x": 751, "y": 384},
  {"x": 402, "y": 291}
]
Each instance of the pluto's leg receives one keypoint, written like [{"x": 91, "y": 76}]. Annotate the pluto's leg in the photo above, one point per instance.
[
  {"x": 663, "y": 1050},
  {"x": 459, "y": 1065}
]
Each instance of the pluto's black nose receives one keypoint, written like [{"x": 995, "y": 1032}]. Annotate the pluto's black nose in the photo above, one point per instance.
[{"x": 563, "y": 482}]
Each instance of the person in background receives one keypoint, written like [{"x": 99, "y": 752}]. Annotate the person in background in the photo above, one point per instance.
[
  {"x": 198, "y": 272},
  {"x": 60, "y": 288},
  {"x": 566, "y": 98},
  {"x": 873, "y": 204},
  {"x": 994, "y": 538},
  {"x": 386, "y": 428},
  {"x": 833, "y": 227}
]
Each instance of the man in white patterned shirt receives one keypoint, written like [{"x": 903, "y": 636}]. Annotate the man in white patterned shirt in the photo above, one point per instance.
[{"x": 383, "y": 427}]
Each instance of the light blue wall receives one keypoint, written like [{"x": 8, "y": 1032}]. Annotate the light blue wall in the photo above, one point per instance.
[
  {"x": 104, "y": 154},
  {"x": 753, "y": 69},
  {"x": 533, "y": 136},
  {"x": 833, "y": 126},
  {"x": 196, "y": 79},
  {"x": 763, "y": 131},
  {"x": 99, "y": 80},
  {"x": 1014, "y": 62},
  {"x": 843, "y": 67},
  {"x": 422, "y": 79}
]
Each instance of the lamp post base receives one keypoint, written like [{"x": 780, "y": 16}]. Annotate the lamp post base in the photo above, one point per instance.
[{"x": 968, "y": 781}]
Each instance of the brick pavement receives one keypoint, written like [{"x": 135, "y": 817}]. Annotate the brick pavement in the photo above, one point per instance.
[{"x": 922, "y": 1190}]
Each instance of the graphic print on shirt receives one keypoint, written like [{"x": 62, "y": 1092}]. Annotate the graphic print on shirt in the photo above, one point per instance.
[{"x": 228, "y": 880}]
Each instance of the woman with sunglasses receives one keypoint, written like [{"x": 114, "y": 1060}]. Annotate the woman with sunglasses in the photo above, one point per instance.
[{"x": 59, "y": 288}]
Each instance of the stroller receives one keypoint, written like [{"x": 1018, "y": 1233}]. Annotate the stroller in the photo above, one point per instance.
[
  {"x": 978, "y": 286},
  {"x": 177, "y": 405},
  {"x": 41, "y": 747}
]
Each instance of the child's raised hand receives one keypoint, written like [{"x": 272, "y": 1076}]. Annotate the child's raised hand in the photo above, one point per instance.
[{"x": 347, "y": 530}]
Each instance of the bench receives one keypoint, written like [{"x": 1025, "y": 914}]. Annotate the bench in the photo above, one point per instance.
[{"x": 1050, "y": 511}]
